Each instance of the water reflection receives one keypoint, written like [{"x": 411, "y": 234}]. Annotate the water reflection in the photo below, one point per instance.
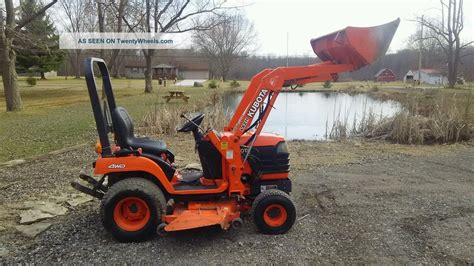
[{"x": 308, "y": 115}]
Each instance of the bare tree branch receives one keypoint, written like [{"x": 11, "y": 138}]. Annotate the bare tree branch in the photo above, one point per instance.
[
  {"x": 447, "y": 34},
  {"x": 226, "y": 42},
  {"x": 158, "y": 17},
  {"x": 21, "y": 24},
  {"x": 172, "y": 21},
  {"x": 466, "y": 55},
  {"x": 467, "y": 44}
]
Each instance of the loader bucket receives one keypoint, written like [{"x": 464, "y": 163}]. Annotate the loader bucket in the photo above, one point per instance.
[{"x": 355, "y": 45}]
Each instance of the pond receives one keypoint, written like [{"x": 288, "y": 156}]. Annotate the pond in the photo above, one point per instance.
[{"x": 310, "y": 115}]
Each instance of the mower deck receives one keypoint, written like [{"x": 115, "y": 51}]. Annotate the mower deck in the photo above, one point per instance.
[{"x": 201, "y": 214}]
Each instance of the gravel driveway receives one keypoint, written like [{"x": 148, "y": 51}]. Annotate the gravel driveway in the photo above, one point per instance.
[{"x": 382, "y": 205}]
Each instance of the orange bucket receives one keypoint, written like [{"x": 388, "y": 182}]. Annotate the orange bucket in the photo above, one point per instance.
[{"x": 355, "y": 45}]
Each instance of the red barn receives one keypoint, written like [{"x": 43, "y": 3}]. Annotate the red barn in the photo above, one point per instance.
[{"x": 385, "y": 75}]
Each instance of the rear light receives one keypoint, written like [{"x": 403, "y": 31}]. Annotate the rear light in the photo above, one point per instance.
[{"x": 98, "y": 147}]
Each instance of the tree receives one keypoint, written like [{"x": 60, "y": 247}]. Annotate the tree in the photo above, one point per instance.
[
  {"x": 431, "y": 53},
  {"x": 171, "y": 16},
  {"x": 38, "y": 44},
  {"x": 116, "y": 22},
  {"x": 77, "y": 16},
  {"x": 446, "y": 31},
  {"x": 226, "y": 42},
  {"x": 8, "y": 32}
]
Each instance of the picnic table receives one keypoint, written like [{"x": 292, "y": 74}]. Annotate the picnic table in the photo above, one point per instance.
[{"x": 174, "y": 94}]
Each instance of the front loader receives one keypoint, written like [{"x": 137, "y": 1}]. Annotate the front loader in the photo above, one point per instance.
[{"x": 243, "y": 169}]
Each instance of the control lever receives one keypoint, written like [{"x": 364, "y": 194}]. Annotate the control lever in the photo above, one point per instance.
[{"x": 183, "y": 116}]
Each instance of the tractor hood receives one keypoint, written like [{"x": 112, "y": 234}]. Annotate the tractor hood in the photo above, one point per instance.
[{"x": 355, "y": 45}]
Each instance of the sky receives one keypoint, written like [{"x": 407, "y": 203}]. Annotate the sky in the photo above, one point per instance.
[{"x": 305, "y": 19}]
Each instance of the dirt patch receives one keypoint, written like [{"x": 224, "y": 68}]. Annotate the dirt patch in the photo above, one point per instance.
[{"x": 357, "y": 203}]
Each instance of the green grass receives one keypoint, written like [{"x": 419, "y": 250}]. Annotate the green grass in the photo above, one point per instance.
[{"x": 57, "y": 114}]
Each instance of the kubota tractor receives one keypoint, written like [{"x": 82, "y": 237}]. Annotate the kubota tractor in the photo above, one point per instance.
[{"x": 243, "y": 169}]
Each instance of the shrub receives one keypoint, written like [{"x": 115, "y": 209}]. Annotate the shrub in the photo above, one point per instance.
[
  {"x": 159, "y": 120},
  {"x": 197, "y": 84},
  {"x": 351, "y": 87},
  {"x": 327, "y": 84},
  {"x": 444, "y": 120},
  {"x": 374, "y": 88},
  {"x": 31, "y": 81},
  {"x": 212, "y": 84},
  {"x": 234, "y": 84}
]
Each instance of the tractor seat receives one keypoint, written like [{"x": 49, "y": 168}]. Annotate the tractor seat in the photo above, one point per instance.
[{"x": 123, "y": 128}]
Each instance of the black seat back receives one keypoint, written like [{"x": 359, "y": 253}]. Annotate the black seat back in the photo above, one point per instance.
[
  {"x": 211, "y": 159},
  {"x": 123, "y": 127}
]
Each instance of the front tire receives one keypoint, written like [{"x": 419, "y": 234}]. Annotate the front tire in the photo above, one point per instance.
[
  {"x": 131, "y": 209},
  {"x": 273, "y": 212}
]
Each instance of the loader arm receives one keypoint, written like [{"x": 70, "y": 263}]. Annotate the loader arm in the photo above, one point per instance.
[
  {"x": 342, "y": 51},
  {"x": 265, "y": 87}
]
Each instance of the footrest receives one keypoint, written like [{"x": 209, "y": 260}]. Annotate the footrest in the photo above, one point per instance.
[
  {"x": 191, "y": 177},
  {"x": 187, "y": 186}
]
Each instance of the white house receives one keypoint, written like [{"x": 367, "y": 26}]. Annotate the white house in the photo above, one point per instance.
[{"x": 428, "y": 76}]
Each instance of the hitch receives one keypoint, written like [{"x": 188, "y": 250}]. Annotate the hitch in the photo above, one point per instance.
[{"x": 98, "y": 189}]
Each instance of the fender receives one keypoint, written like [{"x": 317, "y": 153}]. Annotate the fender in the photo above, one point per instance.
[{"x": 105, "y": 165}]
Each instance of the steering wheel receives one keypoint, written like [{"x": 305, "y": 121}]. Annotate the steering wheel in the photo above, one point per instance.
[{"x": 192, "y": 124}]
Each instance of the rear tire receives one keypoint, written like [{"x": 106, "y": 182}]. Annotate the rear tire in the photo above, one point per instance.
[
  {"x": 273, "y": 212},
  {"x": 132, "y": 208}
]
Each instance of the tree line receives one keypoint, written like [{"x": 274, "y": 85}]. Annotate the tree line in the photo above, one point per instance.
[{"x": 221, "y": 35}]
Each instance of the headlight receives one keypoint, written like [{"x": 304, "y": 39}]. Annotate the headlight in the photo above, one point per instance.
[{"x": 282, "y": 148}]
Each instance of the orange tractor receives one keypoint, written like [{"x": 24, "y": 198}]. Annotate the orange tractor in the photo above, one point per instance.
[{"x": 243, "y": 169}]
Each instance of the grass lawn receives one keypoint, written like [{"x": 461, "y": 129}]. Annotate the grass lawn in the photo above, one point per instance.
[{"x": 57, "y": 114}]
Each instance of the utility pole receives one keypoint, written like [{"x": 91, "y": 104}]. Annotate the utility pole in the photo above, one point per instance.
[
  {"x": 420, "y": 49},
  {"x": 287, "y": 38}
]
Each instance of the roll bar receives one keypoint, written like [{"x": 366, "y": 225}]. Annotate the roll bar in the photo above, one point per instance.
[{"x": 99, "y": 116}]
